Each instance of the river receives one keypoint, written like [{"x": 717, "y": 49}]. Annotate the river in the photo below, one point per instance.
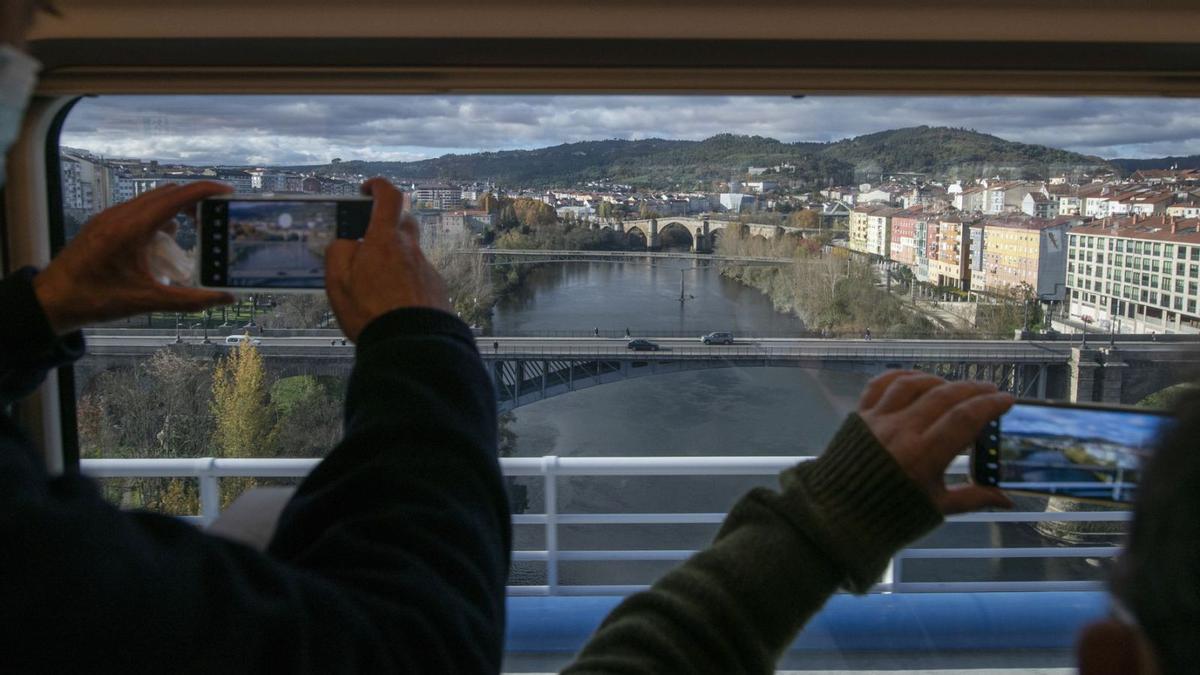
[{"x": 729, "y": 411}]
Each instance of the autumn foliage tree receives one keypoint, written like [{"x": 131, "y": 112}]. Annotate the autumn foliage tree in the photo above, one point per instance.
[{"x": 239, "y": 406}]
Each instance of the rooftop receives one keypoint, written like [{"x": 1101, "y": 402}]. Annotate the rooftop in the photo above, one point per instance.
[{"x": 1157, "y": 228}]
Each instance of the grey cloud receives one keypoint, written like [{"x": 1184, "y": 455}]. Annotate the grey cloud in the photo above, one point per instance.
[{"x": 294, "y": 129}]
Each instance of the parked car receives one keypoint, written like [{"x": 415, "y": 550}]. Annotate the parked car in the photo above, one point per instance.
[
  {"x": 236, "y": 340},
  {"x": 717, "y": 339},
  {"x": 640, "y": 345}
]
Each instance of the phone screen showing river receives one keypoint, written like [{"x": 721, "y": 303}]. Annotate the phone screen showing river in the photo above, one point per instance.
[
  {"x": 279, "y": 244},
  {"x": 1078, "y": 452}
]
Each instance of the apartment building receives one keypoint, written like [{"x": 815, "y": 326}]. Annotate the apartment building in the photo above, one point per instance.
[
  {"x": 879, "y": 231},
  {"x": 857, "y": 235},
  {"x": 438, "y": 196},
  {"x": 948, "y": 247},
  {"x": 1023, "y": 252},
  {"x": 903, "y": 248},
  {"x": 1136, "y": 274}
]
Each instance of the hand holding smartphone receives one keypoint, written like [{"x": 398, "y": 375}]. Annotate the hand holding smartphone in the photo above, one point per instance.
[
  {"x": 1082, "y": 451},
  {"x": 275, "y": 243}
]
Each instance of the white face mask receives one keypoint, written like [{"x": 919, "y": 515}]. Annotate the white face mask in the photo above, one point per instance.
[{"x": 18, "y": 74}]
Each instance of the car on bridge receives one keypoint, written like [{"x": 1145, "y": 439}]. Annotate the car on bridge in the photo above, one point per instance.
[
  {"x": 642, "y": 345},
  {"x": 238, "y": 340},
  {"x": 718, "y": 338}
]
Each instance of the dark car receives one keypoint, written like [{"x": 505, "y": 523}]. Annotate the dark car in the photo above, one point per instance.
[
  {"x": 719, "y": 338},
  {"x": 640, "y": 345}
]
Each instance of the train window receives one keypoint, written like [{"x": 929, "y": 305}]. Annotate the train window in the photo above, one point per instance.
[{"x": 685, "y": 277}]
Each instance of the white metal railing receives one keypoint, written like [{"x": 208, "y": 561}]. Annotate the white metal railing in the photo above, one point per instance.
[{"x": 209, "y": 471}]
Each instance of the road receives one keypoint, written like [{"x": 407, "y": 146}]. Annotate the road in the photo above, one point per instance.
[{"x": 1009, "y": 351}]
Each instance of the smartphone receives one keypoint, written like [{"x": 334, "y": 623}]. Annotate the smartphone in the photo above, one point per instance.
[
  {"x": 278, "y": 243},
  {"x": 1084, "y": 451}
]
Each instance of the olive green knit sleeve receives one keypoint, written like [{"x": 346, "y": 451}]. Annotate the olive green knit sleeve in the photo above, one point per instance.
[{"x": 737, "y": 605}]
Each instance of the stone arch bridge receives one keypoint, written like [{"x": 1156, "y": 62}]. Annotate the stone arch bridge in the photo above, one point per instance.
[{"x": 703, "y": 231}]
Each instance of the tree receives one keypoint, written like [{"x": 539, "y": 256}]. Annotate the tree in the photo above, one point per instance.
[
  {"x": 488, "y": 202},
  {"x": 161, "y": 408},
  {"x": 302, "y": 310},
  {"x": 240, "y": 412},
  {"x": 308, "y": 417},
  {"x": 805, "y": 218}
]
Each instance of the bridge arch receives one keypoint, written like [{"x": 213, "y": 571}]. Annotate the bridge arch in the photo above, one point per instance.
[
  {"x": 635, "y": 236},
  {"x": 675, "y": 235}
]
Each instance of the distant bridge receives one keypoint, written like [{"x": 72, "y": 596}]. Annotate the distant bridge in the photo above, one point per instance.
[
  {"x": 525, "y": 370},
  {"x": 704, "y": 232},
  {"x": 507, "y": 256}
]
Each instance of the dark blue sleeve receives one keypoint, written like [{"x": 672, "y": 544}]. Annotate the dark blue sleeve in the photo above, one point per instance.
[
  {"x": 28, "y": 346},
  {"x": 391, "y": 558}
]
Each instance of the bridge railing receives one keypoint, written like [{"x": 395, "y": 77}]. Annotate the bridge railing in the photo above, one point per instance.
[
  {"x": 209, "y": 472},
  {"x": 869, "y": 351}
]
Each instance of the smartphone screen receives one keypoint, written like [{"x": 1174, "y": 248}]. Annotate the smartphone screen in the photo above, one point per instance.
[
  {"x": 274, "y": 243},
  {"x": 1086, "y": 452}
]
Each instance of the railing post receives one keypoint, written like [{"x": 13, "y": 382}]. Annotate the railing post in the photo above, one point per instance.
[
  {"x": 550, "y": 481},
  {"x": 891, "y": 575},
  {"x": 210, "y": 494}
]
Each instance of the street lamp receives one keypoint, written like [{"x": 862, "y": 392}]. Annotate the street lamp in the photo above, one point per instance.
[
  {"x": 207, "y": 318},
  {"x": 251, "y": 324},
  {"x": 178, "y": 328}
]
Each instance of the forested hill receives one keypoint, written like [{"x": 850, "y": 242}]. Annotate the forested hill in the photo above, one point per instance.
[
  {"x": 659, "y": 163},
  {"x": 958, "y": 153},
  {"x": 1128, "y": 166}
]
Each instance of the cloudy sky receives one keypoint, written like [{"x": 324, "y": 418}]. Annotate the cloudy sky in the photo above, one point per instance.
[
  {"x": 1134, "y": 430},
  {"x": 266, "y": 130}
]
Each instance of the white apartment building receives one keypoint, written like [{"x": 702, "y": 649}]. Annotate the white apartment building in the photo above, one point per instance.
[{"x": 1136, "y": 274}]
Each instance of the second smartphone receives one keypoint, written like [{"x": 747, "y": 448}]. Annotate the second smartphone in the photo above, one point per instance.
[{"x": 1087, "y": 452}]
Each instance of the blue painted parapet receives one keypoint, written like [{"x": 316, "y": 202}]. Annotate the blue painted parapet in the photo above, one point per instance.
[{"x": 899, "y": 622}]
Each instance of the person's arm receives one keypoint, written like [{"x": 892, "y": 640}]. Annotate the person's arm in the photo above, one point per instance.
[
  {"x": 29, "y": 347},
  {"x": 392, "y": 558},
  {"x": 736, "y": 606},
  {"x": 409, "y": 512}
]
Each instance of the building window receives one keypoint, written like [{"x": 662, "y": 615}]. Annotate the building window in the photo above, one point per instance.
[
  {"x": 1178, "y": 302},
  {"x": 1191, "y": 306},
  {"x": 1158, "y": 249},
  {"x": 1194, "y": 270},
  {"x": 1169, "y": 251}
]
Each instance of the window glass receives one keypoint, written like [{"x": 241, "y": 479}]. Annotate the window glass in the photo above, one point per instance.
[{"x": 565, "y": 225}]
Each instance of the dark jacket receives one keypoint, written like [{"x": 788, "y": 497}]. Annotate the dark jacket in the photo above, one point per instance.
[{"x": 392, "y": 556}]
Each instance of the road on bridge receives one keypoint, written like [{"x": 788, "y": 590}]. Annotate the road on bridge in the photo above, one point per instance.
[{"x": 881, "y": 349}]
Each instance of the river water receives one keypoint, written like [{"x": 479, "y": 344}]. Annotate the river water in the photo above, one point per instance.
[{"x": 727, "y": 411}]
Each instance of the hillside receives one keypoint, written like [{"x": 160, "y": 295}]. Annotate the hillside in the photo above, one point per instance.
[
  {"x": 1128, "y": 166},
  {"x": 663, "y": 164},
  {"x": 956, "y": 153}
]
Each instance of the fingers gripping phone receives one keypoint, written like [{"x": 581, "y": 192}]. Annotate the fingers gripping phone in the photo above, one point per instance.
[
  {"x": 1088, "y": 452},
  {"x": 277, "y": 243}
]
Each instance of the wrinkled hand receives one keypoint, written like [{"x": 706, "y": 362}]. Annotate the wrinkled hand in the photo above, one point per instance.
[
  {"x": 925, "y": 421},
  {"x": 103, "y": 273},
  {"x": 385, "y": 271}
]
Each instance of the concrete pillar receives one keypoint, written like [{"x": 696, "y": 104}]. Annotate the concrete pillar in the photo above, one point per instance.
[
  {"x": 652, "y": 242},
  {"x": 1113, "y": 378},
  {"x": 1043, "y": 373},
  {"x": 1084, "y": 371}
]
